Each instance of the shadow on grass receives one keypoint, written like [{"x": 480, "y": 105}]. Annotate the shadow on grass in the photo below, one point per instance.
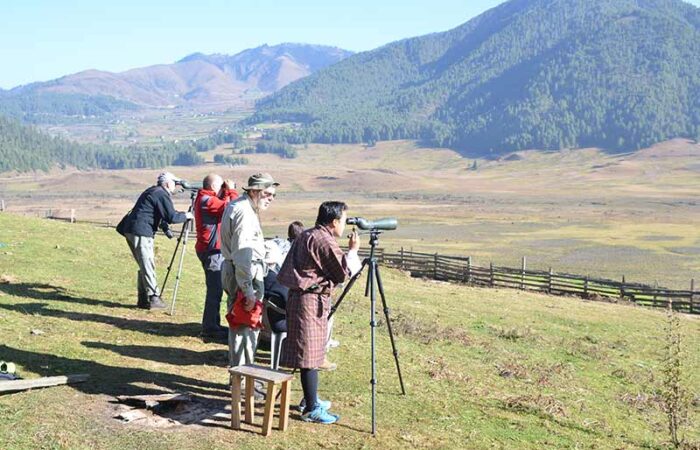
[
  {"x": 111, "y": 380},
  {"x": 209, "y": 402},
  {"x": 143, "y": 326},
  {"x": 43, "y": 291},
  {"x": 168, "y": 355}
]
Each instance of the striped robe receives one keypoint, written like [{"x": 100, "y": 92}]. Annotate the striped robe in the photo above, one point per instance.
[{"x": 314, "y": 266}]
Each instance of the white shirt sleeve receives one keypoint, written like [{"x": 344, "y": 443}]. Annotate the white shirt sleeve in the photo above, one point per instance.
[{"x": 354, "y": 263}]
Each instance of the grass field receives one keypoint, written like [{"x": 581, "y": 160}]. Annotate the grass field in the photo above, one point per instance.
[
  {"x": 484, "y": 368},
  {"x": 148, "y": 126},
  {"x": 578, "y": 211}
]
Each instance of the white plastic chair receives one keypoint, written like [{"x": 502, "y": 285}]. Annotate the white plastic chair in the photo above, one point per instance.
[{"x": 276, "y": 339}]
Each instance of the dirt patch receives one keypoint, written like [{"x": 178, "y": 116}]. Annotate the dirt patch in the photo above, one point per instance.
[
  {"x": 439, "y": 369},
  {"x": 512, "y": 369},
  {"x": 512, "y": 333},
  {"x": 198, "y": 411},
  {"x": 661, "y": 238},
  {"x": 691, "y": 251},
  {"x": 543, "y": 404},
  {"x": 537, "y": 374},
  {"x": 405, "y": 325},
  {"x": 642, "y": 401},
  {"x": 7, "y": 279}
]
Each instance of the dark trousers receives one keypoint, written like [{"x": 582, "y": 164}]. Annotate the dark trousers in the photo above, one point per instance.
[{"x": 211, "y": 319}]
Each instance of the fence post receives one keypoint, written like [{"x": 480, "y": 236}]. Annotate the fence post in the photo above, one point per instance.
[
  {"x": 2, "y": 204},
  {"x": 622, "y": 288},
  {"x": 401, "y": 266},
  {"x": 549, "y": 281},
  {"x": 469, "y": 269},
  {"x": 585, "y": 286},
  {"x": 435, "y": 266},
  {"x": 49, "y": 214},
  {"x": 72, "y": 215},
  {"x": 692, "y": 296},
  {"x": 491, "y": 280},
  {"x": 522, "y": 272}
]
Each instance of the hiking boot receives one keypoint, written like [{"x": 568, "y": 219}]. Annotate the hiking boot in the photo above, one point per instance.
[
  {"x": 219, "y": 337},
  {"x": 327, "y": 366},
  {"x": 143, "y": 303},
  {"x": 155, "y": 302},
  {"x": 142, "y": 299},
  {"x": 319, "y": 415},
  {"x": 325, "y": 404}
]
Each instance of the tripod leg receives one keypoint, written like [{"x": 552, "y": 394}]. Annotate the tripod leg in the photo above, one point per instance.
[
  {"x": 170, "y": 266},
  {"x": 179, "y": 269},
  {"x": 347, "y": 289},
  {"x": 373, "y": 325},
  {"x": 388, "y": 326}
]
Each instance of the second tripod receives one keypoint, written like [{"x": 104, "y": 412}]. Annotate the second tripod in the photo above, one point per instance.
[
  {"x": 374, "y": 283},
  {"x": 187, "y": 227}
]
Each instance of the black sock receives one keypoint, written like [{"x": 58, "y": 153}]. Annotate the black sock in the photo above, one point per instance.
[{"x": 309, "y": 383}]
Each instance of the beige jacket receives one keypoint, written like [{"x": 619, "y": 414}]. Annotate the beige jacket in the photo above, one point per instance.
[{"x": 243, "y": 244}]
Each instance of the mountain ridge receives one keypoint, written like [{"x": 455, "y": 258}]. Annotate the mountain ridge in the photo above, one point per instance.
[
  {"x": 199, "y": 81},
  {"x": 526, "y": 74}
]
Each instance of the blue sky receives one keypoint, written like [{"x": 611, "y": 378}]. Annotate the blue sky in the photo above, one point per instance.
[{"x": 45, "y": 39}]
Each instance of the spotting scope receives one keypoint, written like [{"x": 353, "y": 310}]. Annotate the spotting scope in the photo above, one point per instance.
[
  {"x": 188, "y": 186},
  {"x": 388, "y": 223}
]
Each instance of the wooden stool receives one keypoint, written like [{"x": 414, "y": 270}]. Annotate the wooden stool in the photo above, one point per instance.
[{"x": 251, "y": 373}]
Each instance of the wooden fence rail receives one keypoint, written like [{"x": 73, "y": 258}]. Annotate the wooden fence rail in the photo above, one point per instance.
[{"x": 462, "y": 270}]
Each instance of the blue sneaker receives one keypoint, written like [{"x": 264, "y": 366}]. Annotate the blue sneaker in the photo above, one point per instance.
[
  {"x": 325, "y": 404},
  {"x": 319, "y": 415}
]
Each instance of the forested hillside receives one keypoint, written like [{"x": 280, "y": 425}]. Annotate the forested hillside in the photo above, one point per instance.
[
  {"x": 33, "y": 106},
  {"x": 23, "y": 148},
  {"x": 548, "y": 74}
]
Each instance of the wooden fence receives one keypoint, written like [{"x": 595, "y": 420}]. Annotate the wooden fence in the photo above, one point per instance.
[{"x": 461, "y": 270}]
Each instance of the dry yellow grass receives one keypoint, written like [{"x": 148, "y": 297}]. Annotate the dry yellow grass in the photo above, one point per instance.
[{"x": 579, "y": 210}]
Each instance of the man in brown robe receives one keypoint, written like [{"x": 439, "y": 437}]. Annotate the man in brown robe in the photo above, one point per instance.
[{"x": 314, "y": 266}]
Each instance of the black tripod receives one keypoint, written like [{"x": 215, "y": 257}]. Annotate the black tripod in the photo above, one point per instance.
[
  {"x": 373, "y": 280},
  {"x": 187, "y": 227}
]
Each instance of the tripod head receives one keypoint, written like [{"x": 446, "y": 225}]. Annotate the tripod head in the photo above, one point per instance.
[{"x": 373, "y": 238}]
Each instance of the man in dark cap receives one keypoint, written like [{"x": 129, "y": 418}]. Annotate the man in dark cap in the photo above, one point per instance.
[{"x": 152, "y": 210}]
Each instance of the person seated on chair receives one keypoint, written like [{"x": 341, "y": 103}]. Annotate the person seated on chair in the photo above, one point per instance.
[
  {"x": 276, "y": 299},
  {"x": 209, "y": 207},
  {"x": 277, "y": 248},
  {"x": 276, "y": 293},
  {"x": 314, "y": 266}
]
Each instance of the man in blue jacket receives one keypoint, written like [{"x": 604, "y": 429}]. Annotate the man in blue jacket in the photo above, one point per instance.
[{"x": 152, "y": 210}]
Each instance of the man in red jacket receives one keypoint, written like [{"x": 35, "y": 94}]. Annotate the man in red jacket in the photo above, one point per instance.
[{"x": 208, "y": 209}]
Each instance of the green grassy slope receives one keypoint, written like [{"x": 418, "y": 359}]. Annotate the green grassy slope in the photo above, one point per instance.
[{"x": 484, "y": 368}]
